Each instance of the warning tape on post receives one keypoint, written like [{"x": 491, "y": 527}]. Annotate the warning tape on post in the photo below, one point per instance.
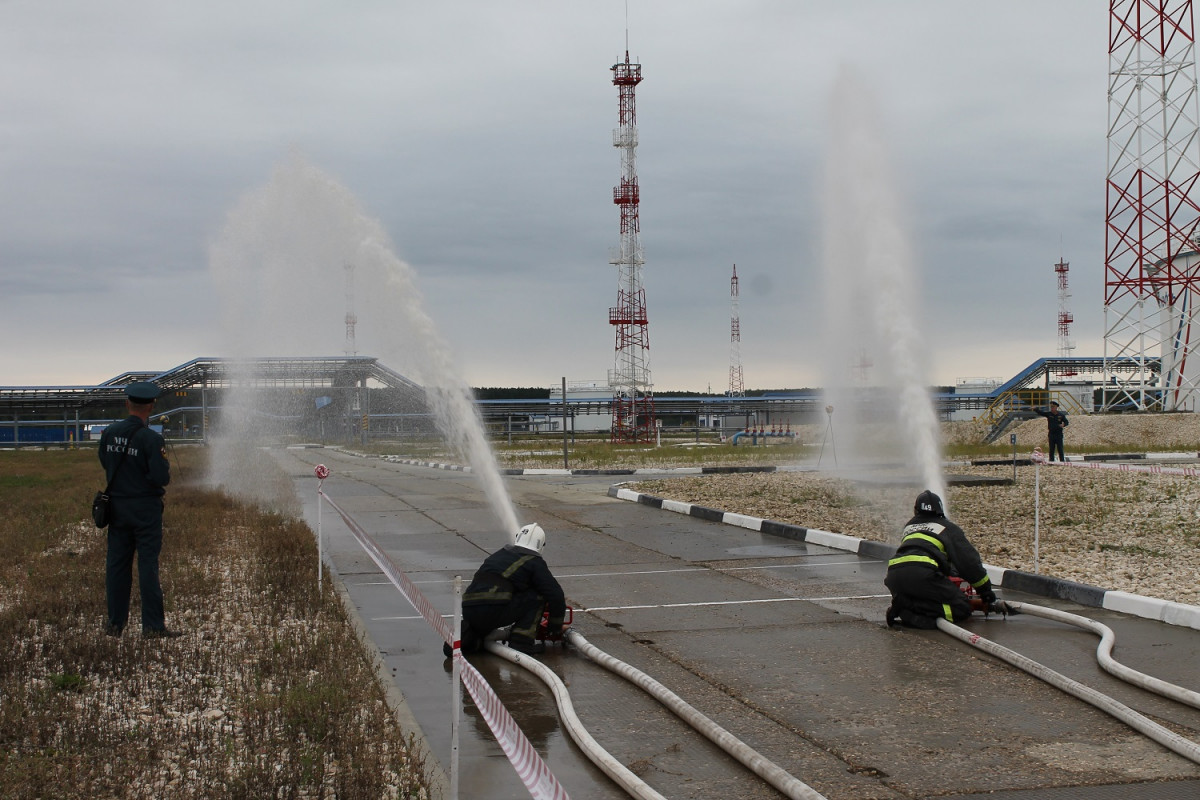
[
  {"x": 1153, "y": 469},
  {"x": 530, "y": 767},
  {"x": 401, "y": 581}
]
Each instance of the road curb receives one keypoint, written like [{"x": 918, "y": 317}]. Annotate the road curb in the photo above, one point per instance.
[
  {"x": 439, "y": 783},
  {"x": 1166, "y": 611}
]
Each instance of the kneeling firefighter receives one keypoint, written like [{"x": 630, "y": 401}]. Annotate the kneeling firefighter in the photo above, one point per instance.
[
  {"x": 514, "y": 587},
  {"x": 932, "y": 549}
]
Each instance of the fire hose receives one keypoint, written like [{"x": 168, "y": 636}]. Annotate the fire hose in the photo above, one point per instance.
[
  {"x": 1167, "y": 738},
  {"x": 1104, "y": 655},
  {"x": 750, "y": 758},
  {"x": 597, "y": 754}
]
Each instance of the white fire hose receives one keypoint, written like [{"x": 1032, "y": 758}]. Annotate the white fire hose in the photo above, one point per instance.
[
  {"x": 754, "y": 761},
  {"x": 1167, "y": 738},
  {"x": 1104, "y": 654},
  {"x": 750, "y": 758},
  {"x": 635, "y": 786}
]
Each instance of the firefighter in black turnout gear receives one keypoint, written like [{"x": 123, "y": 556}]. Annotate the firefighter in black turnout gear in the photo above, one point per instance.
[
  {"x": 513, "y": 587},
  {"x": 932, "y": 549}
]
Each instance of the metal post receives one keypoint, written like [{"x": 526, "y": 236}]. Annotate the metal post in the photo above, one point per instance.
[
  {"x": 1012, "y": 437},
  {"x": 1037, "y": 510},
  {"x": 320, "y": 541},
  {"x": 456, "y": 690},
  {"x": 564, "y": 423}
]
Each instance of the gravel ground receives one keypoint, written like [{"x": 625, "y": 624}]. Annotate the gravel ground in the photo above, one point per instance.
[{"x": 1134, "y": 532}]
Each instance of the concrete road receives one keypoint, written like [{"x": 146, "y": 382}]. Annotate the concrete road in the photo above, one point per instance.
[{"x": 781, "y": 643}]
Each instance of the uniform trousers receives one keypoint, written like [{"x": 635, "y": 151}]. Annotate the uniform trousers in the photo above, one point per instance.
[
  {"x": 135, "y": 532},
  {"x": 921, "y": 595},
  {"x": 523, "y": 612}
]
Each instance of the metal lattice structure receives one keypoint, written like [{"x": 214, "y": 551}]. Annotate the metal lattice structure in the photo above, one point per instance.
[
  {"x": 737, "y": 388},
  {"x": 1152, "y": 267},
  {"x": 1066, "y": 346},
  {"x": 351, "y": 317},
  {"x": 633, "y": 396}
]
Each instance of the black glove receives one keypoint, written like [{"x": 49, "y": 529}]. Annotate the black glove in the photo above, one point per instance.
[
  {"x": 987, "y": 595},
  {"x": 554, "y": 631}
]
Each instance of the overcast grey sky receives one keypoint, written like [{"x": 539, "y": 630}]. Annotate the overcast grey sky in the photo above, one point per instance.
[{"x": 479, "y": 135}]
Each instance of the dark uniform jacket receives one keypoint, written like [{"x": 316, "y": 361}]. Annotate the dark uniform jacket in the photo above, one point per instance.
[
  {"x": 137, "y": 484},
  {"x": 511, "y": 571},
  {"x": 1055, "y": 421},
  {"x": 942, "y": 545}
]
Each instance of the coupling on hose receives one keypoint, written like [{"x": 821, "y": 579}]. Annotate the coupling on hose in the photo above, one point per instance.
[{"x": 995, "y": 607}]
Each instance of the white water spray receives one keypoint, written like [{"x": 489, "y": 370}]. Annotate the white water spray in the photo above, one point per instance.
[
  {"x": 279, "y": 262},
  {"x": 875, "y": 370}
]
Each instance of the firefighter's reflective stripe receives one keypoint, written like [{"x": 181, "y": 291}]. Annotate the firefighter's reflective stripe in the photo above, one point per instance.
[
  {"x": 500, "y": 589},
  {"x": 947, "y": 612},
  {"x": 516, "y": 565},
  {"x": 981, "y": 581},
  {"x": 936, "y": 542},
  {"x": 914, "y": 560}
]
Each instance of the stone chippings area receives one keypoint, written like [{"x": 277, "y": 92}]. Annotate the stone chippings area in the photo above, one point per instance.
[{"x": 1127, "y": 531}]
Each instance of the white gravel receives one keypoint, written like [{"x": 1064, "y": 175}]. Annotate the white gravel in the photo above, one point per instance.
[{"x": 1129, "y": 531}]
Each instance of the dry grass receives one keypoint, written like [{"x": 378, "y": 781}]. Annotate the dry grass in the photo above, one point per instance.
[{"x": 270, "y": 694}]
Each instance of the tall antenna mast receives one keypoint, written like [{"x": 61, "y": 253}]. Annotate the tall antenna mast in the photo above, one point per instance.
[
  {"x": 1152, "y": 268},
  {"x": 351, "y": 317},
  {"x": 1065, "y": 318},
  {"x": 736, "y": 387},
  {"x": 633, "y": 399}
]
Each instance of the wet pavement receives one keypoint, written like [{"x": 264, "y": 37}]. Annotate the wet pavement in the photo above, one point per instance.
[{"x": 779, "y": 642}]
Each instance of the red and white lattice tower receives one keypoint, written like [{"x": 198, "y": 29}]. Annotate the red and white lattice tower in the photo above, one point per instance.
[
  {"x": 736, "y": 387},
  {"x": 633, "y": 397},
  {"x": 1065, "y": 318},
  {"x": 1152, "y": 268}
]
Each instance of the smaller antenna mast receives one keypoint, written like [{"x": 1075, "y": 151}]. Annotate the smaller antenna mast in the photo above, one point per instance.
[
  {"x": 351, "y": 317},
  {"x": 736, "y": 387}
]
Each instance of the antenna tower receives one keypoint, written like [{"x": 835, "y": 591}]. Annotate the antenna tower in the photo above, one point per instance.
[
  {"x": 633, "y": 398},
  {"x": 1065, "y": 318},
  {"x": 736, "y": 387},
  {"x": 1152, "y": 268},
  {"x": 351, "y": 317}
]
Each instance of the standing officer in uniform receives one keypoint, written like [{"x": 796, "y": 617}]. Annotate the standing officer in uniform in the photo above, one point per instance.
[
  {"x": 513, "y": 587},
  {"x": 1055, "y": 422},
  {"x": 134, "y": 458},
  {"x": 933, "y": 549}
]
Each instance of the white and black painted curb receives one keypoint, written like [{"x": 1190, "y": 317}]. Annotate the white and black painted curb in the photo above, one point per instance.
[{"x": 1042, "y": 585}]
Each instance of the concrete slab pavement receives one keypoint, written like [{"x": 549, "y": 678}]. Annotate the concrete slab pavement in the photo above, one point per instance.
[{"x": 775, "y": 638}]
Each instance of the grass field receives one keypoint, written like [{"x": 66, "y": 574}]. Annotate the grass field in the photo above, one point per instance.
[{"x": 269, "y": 693}]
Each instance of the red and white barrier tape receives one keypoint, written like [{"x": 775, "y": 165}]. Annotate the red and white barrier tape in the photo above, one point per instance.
[
  {"x": 530, "y": 767},
  {"x": 401, "y": 581},
  {"x": 533, "y": 772},
  {"x": 1153, "y": 469}
]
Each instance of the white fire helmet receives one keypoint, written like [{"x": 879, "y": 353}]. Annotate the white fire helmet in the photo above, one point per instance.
[{"x": 531, "y": 537}]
